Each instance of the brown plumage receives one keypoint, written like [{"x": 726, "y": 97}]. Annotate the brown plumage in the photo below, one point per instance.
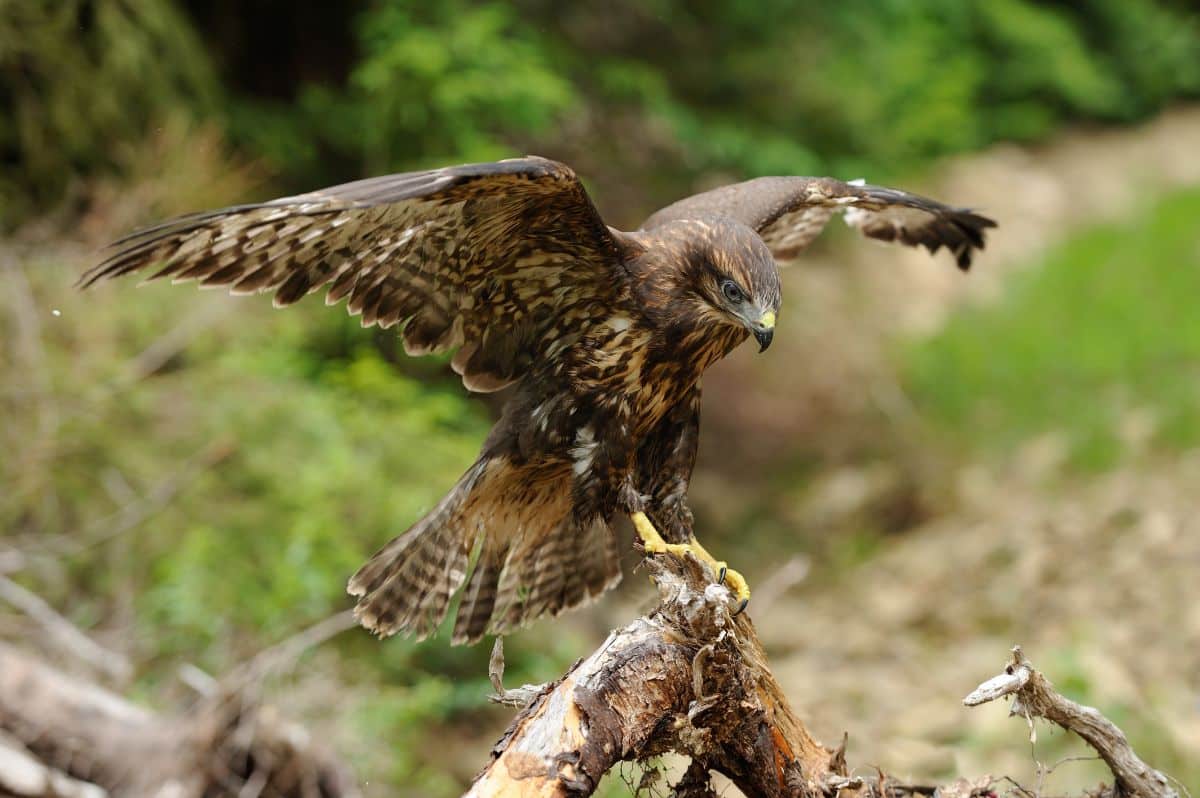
[{"x": 605, "y": 335}]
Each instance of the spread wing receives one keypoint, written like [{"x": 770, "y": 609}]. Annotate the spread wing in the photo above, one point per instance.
[
  {"x": 789, "y": 212},
  {"x": 508, "y": 260}
]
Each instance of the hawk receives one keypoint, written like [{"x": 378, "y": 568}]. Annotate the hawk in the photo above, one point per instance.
[{"x": 603, "y": 334}]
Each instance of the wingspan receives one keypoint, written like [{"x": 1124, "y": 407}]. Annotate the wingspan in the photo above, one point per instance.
[
  {"x": 507, "y": 260},
  {"x": 789, "y": 212}
]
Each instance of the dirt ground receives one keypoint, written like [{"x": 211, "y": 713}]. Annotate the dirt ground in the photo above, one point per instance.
[{"x": 1097, "y": 582}]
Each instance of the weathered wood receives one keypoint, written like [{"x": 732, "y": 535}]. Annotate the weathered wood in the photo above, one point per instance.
[
  {"x": 23, "y": 775},
  {"x": 688, "y": 678}
]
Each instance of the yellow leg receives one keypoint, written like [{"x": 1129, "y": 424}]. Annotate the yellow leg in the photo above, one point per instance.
[{"x": 653, "y": 543}]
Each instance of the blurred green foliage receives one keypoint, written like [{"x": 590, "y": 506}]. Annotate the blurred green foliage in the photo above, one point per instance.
[
  {"x": 783, "y": 86},
  {"x": 1082, "y": 345},
  {"x": 318, "y": 450},
  {"x": 433, "y": 83},
  {"x": 218, "y": 502},
  {"x": 77, "y": 77}
]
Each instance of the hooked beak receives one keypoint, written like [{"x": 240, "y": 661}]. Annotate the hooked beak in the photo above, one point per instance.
[{"x": 764, "y": 330}]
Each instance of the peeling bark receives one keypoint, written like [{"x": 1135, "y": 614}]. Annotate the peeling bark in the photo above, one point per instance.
[{"x": 687, "y": 678}]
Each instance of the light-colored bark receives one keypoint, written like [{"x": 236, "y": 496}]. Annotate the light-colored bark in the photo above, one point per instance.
[
  {"x": 688, "y": 678},
  {"x": 1034, "y": 697}
]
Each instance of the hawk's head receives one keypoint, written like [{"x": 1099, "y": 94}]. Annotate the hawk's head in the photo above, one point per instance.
[{"x": 720, "y": 273}]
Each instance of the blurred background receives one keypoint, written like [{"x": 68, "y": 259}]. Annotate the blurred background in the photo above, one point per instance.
[{"x": 925, "y": 469}]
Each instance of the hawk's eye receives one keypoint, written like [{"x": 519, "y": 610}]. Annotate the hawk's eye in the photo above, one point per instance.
[{"x": 732, "y": 292}]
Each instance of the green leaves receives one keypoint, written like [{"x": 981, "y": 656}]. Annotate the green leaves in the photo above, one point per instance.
[
  {"x": 433, "y": 83},
  {"x": 78, "y": 76}
]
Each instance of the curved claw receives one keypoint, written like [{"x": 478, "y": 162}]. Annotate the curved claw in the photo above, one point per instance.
[
  {"x": 737, "y": 585},
  {"x": 721, "y": 574},
  {"x": 741, "y": 607}
]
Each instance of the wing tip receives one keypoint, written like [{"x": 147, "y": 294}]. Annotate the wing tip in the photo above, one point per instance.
[{"x": 972, "y": 225}]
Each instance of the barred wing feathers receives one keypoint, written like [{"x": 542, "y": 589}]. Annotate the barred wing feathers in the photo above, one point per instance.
[
  {"x": 790, "y": 212},
  {"x": 507, "y": 260}
]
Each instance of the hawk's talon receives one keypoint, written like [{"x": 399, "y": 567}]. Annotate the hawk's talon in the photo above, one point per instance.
[
  {"x": 653, "y": 543},
  {"x": 737, "y": 585},
  {"x": 741, "y": 607}
]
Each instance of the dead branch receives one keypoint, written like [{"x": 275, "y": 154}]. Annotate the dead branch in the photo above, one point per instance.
[
  {"x": 691, "y": 679},
  {"x": 25, "y": 776},
  {"x": 1034, "y": 697},
  {"x": 518, "y": 697},
  {"x": 687, "y": 678},
  {"x": 79, "y": 732}
]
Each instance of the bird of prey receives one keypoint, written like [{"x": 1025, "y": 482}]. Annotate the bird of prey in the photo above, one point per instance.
[{"x": 603, "y": 334}]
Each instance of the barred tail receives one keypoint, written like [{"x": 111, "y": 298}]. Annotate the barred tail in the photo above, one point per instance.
[
  {"x": 407, "y": 585},
  {"x": 533, "y": 558},
  {"x": 515, "y": 581}
]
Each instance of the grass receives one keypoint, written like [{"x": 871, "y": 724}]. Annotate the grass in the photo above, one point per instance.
[{"x": 1105, "y": 330}]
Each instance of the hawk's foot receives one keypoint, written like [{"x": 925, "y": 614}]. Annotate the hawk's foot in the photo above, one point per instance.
[{"x": 653, "y": 543}]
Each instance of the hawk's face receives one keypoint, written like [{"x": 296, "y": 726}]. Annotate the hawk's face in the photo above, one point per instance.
[
  {"x": 735, "y": 277},
  {"x": 739, "y": 279},
  {"x": 715, "y": 278}
]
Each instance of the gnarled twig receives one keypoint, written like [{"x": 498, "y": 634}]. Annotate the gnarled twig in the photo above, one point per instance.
[{"x": 1035, "y": 697}]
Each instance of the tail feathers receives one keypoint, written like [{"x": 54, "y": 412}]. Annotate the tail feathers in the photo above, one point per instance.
[
  {"x": 479, "y": 598},
  {"x": 598, "y": 562},
  {"x": 407, "y": 585},
  {"x": 541, "y": 575},
  {"x": 424, "y": 567},
  {"x": 534, "y": 559}
]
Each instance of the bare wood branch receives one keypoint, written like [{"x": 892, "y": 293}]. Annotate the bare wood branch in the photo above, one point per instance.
[
  {"x": 688, "y": 678},
  {"x": 285, "y": 653},
  {"x": 783, "y": 579},
  {"x": 25, "y": 776},
  {"x": 1035, "y": 697},
  {"x": 518, "y": 697},
  {"x": 175, "y": 340}
]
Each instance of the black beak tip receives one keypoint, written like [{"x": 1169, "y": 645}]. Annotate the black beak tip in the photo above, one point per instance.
[{"x": 764, "y": 338}]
